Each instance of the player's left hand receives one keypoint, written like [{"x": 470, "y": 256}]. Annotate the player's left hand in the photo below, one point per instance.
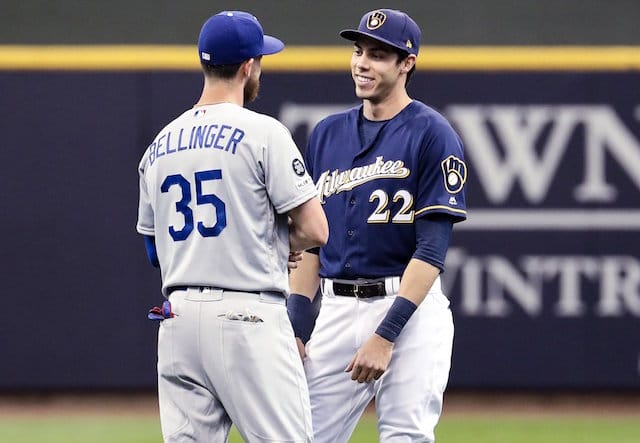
[
  {"x": 371, "y": 360},
  {"x": 294, "y": 258},
  {"x": 301, "y": 349}
]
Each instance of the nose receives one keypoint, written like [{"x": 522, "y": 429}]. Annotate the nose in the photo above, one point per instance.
[{"x": 361, "y": 63}]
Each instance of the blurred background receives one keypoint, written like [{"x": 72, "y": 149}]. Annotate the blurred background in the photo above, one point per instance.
[{"x": 544, "y": 277}]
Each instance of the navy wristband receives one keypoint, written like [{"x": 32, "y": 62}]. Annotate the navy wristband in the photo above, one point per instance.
[
  {"x": 301, "y": 315},
  {"x": 397, "y": 316}
]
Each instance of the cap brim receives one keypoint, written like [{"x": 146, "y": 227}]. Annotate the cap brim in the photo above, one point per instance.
[
  {"x": 353, "y": 35},
  {"x": 271, "y": 45},
  {"x": 350, "y": 34}
]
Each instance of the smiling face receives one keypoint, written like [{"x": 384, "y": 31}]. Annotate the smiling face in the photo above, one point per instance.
[{"x": 377, "y": 71}]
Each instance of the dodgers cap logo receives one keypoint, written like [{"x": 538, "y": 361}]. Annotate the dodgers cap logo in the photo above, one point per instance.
[
  {"x": 389, "y": 26},
  {"x": 231, "y": 37}
]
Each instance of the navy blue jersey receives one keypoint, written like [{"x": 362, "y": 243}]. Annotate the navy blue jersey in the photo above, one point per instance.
[{"x": 372, "y": 194}]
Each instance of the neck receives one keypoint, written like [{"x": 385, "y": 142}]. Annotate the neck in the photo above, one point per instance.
[
  {"x": 215, "y": 92},
  {"x": 386, "y": 108}
]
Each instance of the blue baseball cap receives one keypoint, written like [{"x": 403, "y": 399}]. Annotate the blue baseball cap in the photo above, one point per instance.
[
  {"x": 389, "y": 26},
  {"x": 231, "y": 37}
]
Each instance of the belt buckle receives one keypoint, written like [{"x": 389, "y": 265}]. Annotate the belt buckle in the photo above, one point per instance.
[{"x": 360, "y": 289}]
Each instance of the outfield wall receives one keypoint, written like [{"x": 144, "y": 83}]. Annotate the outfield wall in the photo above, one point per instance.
[
  {"x": 544, "y": 277},
  {"x": 454, "y": 22}
]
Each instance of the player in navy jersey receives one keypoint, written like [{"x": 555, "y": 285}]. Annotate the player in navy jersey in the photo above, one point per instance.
[{"x": 390, "y": 174}]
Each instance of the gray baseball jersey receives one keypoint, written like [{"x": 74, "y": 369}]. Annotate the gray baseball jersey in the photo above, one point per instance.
[{"x": 215, "y": 198}]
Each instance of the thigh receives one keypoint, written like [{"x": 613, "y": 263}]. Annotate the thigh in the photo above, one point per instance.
[
  {"x": 337, "y": 402},
  {"x": 258, "y": 373},
  {"x": 188, "y": 409},
  {"x": 409, "y": 396}
]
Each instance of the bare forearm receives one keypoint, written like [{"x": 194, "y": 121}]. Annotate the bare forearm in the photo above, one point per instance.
[
  {"x": 303, "y": 283},
  {"x": 299, "y": 240},
  {"x": 308, "y": 226},
  {"x": 305, "y": 280},
  {"x": 417, "y": 280}
]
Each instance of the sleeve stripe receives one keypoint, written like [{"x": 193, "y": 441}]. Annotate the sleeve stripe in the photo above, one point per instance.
[{"x": 448, "y": 208}]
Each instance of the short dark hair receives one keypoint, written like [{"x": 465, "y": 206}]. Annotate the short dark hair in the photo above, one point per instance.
[
  {"x": 225, "y": 72},
  {"x": 401, "y": 56}
]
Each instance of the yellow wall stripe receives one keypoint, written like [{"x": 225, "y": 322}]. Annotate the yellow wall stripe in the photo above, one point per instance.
[{"x": 323, "y": 58}]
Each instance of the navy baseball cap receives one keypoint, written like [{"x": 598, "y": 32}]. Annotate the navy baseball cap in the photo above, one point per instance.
[
  {"x": 389, "y": 26},
  {"x": 231, "y": 37}
]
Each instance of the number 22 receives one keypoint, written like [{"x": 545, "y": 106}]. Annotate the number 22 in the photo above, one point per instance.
[{"x": 381, "y": 213}]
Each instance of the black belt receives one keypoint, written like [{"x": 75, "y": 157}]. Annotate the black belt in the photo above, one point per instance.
[
  {"x": 360, "y": 290},
  {"x": 170, "y": 289}
]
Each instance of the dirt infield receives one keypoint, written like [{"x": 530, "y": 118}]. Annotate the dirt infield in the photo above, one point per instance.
[
  {"x": 456, "y": 403},
  {"x": 56, "y": 404}
]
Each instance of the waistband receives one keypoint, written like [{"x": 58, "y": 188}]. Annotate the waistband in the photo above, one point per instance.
[
  {"x": 360, "y": 288},
  {"x": 368, "y": 288},
  {"x": 171, "y": 289},
  {"x": 211, "y": 294}
]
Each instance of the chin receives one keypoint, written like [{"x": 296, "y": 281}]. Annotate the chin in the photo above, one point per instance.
[
  {"x": 365, "y": 95},
  {"x": 362, "y": 93}
]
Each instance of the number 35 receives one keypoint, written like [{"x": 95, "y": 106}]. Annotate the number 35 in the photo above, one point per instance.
[{"x": 182, "y": 206}]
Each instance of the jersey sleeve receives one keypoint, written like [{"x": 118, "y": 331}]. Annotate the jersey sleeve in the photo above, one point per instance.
[
  {"x": 145, "y": 224},
  {"x": 287, "y": 181},
  {"x": 443, "y": 173},
  {"x": 310, "y": 149}
]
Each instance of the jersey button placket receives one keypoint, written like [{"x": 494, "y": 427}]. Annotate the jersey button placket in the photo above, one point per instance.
[{"x": 351, "y": 212}]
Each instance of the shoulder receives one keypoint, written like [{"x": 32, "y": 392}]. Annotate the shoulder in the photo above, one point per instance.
[
  {"x": 423, "y": 114},
  {"x": 434, "y": 127},
  {"x": 158, "y": 139},
  {"x": 263, "y": 122},
  {"x": 338, "y": 119},
  {"x": 143, "y": 165}
]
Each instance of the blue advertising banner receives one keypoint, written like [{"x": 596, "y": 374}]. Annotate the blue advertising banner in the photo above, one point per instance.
[{"x": 544, "y": 276}]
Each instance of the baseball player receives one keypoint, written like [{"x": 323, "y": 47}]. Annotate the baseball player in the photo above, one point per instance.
[
  {"x": 390, "y": 174},
  {"x": 224, "y": 195}
]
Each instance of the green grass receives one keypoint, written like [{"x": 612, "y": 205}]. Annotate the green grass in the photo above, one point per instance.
[
  {"x": 603, "y": 429},
  {"x": 456, "y": 429}
]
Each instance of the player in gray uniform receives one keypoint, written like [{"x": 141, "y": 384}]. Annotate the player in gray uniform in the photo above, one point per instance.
[{"x": 224, "y": 198}]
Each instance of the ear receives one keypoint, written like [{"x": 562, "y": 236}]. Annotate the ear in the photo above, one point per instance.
[
  {"x": 246, "y": 67},
  {"x": 408, "y": 63}
]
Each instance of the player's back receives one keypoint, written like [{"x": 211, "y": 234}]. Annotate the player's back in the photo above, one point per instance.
[{"x": 207, "y": 175}]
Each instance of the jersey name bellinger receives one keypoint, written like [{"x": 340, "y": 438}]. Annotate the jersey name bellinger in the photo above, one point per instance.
[
  {"x": 222, "y": 137},
  {"x": 334, "y": 182}
]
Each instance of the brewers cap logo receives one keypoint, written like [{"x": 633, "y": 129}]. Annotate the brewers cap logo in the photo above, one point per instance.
[
  {"x": 455, "y": 174},
  {"x": 298, "y": 167},
  {"x": 376, "y": 19}
]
